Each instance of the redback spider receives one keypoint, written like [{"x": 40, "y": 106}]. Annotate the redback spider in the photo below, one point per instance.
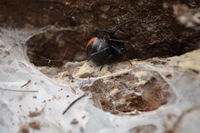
[{"x": 107, "y": 49}]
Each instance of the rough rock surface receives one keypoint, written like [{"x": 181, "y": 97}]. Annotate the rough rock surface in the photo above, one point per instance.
[{"x": 152, "y": 95}]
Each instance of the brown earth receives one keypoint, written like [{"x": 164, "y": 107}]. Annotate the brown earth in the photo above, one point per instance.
[{"x": 158, "y": 31}]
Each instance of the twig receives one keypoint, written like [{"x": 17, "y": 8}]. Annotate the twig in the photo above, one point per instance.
[
  {"x": 73, "y": 90},
  {"x": 107, "y": 76},
  {"x": 76, "y": 100},
  {"x": 29, "y": 81},
  {"x": 180, "y": 118},
  {"x": 18, "y": 90}
]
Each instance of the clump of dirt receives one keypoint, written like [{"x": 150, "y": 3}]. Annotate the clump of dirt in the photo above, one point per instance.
[
  {"x": 33, "y": 124},
  {"x": 24, "y": 129},
  {"x": 144, "y": 129},
  {"x": 36, "y": 113},
  {"x": 131, "y": 92},
  {"x": 74, "y": 122}
]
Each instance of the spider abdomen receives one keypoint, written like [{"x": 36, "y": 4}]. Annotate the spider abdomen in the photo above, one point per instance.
[{"x": 103, "y": 51}]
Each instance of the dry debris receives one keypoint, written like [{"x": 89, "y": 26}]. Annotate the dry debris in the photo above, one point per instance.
[
  {"x": 74, "y": 122},
  {"x": 36, "y": 113}
]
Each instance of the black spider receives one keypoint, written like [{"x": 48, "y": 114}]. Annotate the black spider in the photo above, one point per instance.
[{"x": 106, "y": 49}]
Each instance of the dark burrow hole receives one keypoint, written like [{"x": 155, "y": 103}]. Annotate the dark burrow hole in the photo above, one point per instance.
[{"x": 53, "y": 48}]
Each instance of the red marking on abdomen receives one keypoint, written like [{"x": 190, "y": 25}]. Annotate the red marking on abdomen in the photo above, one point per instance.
[{"x": 91, "y": 41}]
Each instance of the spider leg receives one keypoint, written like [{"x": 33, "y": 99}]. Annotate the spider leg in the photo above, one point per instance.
[
  {"x": 107, "y": 33},
  {"x": 109, "y": 58},
  {"x": 103, "y": 56},
  {"x": 130, "y": 62},
  {"x": 101, "y": 67},
  {"x": 117, "y": 41},
  {"x": 99, "y": 52},
  {"x": 103, "y": 30},
  {"x": 116, "y": 28},
  {"x": 120, "y": 51}
]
